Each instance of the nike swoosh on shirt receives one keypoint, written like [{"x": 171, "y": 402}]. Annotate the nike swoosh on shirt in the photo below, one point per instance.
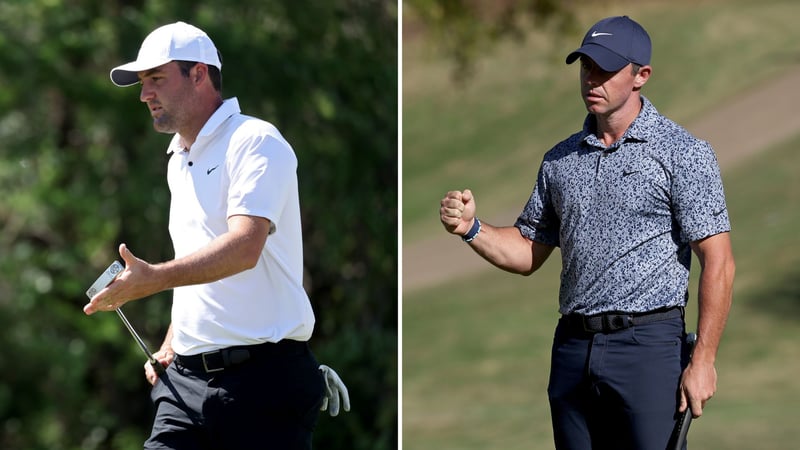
[
  {"x": 595, "y": 34},
  {"x": 716, "y": 213},
  {"x": 208, "y": 172}
]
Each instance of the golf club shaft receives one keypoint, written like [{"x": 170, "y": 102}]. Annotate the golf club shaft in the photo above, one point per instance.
[
  {"x": 686, "y": 417},
  {"x": 153, "y": 361}
]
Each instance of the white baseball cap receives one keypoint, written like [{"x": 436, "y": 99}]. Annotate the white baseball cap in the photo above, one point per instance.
[{"x": 177, "y": 41}]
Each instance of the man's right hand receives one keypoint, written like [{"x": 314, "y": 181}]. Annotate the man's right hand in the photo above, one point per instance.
[
  {"x": 457, "y": 211},
  {"x": 164, "y": 357}
]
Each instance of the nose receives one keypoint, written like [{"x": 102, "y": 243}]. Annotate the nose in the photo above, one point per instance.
[
  {"x": 147, "y": 93},
  {"x": 592, "y": 77}
]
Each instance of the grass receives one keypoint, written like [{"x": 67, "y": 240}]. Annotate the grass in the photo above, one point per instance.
[
  {"x": 469, "y": 359},
  {"x": 491, "y": 133},
  {"x": 476, "y": 351}
]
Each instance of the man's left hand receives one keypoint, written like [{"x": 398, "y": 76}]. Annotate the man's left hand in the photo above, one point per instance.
[{"x": 698, "y": 385}]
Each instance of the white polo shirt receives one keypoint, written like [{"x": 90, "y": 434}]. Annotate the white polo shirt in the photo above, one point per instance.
[{"x": 238, "y": 165}]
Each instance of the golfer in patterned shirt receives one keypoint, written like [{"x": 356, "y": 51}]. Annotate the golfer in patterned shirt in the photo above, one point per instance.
[{"x": 626, "y": 199}]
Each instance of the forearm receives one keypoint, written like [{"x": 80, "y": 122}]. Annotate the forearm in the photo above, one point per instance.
[
  {"x": 714, "y": 303},
  {"x": 166, "y": 346},
  {"x": 507, "y": 249},
  {"x": 225, "y": 256},
  {"x": 230, "y": 253},
  {"x": 715, "y": 295}
]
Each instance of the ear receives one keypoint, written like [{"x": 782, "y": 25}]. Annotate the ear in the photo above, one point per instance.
[
  {"x": 642, "y": 76},
  {"x": 198, "y": 73}
]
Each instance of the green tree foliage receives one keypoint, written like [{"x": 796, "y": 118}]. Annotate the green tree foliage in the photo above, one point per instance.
[
  {"x": 462, "y": 30},
  {"x": 82, "y": 170}
]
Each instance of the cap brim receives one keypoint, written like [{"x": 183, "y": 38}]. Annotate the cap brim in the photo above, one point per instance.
[
  {"x": 603, "y": 57},
  {"x": 128, "y": 74}
]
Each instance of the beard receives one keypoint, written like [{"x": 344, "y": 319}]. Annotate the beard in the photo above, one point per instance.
[
  {"x": 173, "y": 113},
  {"x": 165, "y": 123}
]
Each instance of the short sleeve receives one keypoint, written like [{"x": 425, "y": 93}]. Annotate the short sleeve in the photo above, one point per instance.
[
  {"x": 263, "y": 172},
  {"x": 698, "y": 197},
  {"x": 538, "y": 221}
]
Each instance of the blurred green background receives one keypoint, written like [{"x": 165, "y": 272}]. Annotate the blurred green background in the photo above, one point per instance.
[
  {"x": 485, "y": 94},
  {"x": 81, "y": 170}
]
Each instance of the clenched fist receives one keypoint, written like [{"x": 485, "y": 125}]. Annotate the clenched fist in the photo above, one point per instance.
[{"x": 457, "y": 211}]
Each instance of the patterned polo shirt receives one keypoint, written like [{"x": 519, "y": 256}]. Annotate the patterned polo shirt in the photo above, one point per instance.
[{"x": 624, "y": 215}]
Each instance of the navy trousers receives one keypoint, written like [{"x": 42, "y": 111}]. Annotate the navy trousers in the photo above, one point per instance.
[
  {"x": 617, "y": 390},
  {"x": 265, "y": 403}
]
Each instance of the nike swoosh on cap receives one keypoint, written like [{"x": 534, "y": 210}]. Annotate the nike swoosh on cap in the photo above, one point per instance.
[{"x": 595, "y": 34}]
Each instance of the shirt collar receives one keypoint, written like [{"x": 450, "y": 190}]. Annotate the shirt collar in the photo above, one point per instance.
[
  {"x": 228, "y": 108},
  {"x": 641, "y": 129}
]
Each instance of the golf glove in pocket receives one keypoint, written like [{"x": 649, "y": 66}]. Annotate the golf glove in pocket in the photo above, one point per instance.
[{"x": 334, "y": 389}]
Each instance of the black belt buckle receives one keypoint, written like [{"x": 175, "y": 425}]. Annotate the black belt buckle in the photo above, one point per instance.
[
  {"x": 206, "y": 365},
  {"x": 606, "y": 322},
  {"x": 219, "y": 360},
  {"x": 585, "y": 323},
  {"x": 614, "y": 322}
]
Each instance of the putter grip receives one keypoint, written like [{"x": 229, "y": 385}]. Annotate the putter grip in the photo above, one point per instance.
[
  {"x": 683, "y": 428},
  {"x": 157, "y": 367}
]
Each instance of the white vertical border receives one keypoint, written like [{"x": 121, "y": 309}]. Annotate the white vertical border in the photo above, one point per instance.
[{"x": 399, "y": 224}]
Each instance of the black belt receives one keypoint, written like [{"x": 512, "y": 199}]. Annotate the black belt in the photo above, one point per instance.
[
  {"x": 614, "y": 321},
  {"x": 219, "y": 360}
]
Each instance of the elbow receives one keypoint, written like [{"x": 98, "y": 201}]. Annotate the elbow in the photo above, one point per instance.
[
  {"x": 249, "y": 252},
  {"x": 524, "y": 270},
  {"x": 250, "y": 260},
  {"x": 731, "y": 272},
  {"x": 529, "y": 272},
  {"x": 728, "y": 268},
  {"x": 245, "y": 240},
  {"x": 512, "y": 268},
  {"x": 725, "y": 273},
  {"x": 535, "y": 264}
]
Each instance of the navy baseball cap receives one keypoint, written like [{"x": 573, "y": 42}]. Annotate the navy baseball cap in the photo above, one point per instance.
[{"x": 613, "y": 43}]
